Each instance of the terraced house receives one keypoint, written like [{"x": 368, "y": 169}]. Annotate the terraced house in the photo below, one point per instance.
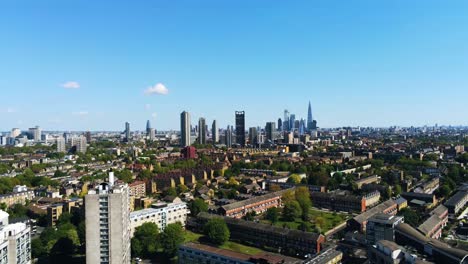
[
  {"x": 258, "y": 204},
  {"x": 283, "y": 240}
]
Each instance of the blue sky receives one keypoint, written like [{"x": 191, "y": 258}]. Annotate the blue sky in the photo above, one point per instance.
[{"x": 368, "y": 63}]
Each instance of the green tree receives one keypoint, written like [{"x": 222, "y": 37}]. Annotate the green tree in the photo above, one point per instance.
[
  {"x": 171, "y": 238},
  {"x": 292, "y": 210},
  {"x": 181, "y": 188},
  {"x": 294, "y": 178},
  {"x": 250, "y": 216},
  {"x": 38, "y": 249},
  {"x": 411, "y": 217},
  {"x": 197, "y": 206},
  {"x": 397, "y": 190},
  {"x": 145, "y": 240},
  {"x": 171, "y": 191},
  {"x": 272, "y": 214},
  {"x": 145, "y": 174},
  {"x": 302, "y": 195},
  {"x": 217, "y": 231},
  {"x": 18, "y": 211},
  {"x": 124, "y": 175},
  {"x": 288, "y": 196}
]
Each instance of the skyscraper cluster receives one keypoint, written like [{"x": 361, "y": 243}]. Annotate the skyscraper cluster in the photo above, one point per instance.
[{"x": 300, "y": 126}]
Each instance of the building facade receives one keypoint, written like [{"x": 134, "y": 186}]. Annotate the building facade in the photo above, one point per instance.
[
  {"x": 185, "y": 129},
  {"x": 201, "y": 131},
  {"x": 214, "y": 132},
  {"x": 382, "y": 227},
  {"x": 161, "y": 214},
  {"x": 240, "y": 128},
  {"x": 284, "y": 240},
  {"x": 15, "y": 242},
  {"x": 19, "y": 196},
  {"x": 257, "y": 204},
  {"x": 107, "y": 211},
  {"x": 270, "y": 130}
]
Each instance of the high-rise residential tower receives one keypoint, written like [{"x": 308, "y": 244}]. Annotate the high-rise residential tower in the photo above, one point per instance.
[
  {"x": 253, "y": 136},
  {"x": 228, "y": 137},
  {"x": 185, "y": 129},
  {"x": 107, "y": 212},
  {"x": 61, "y": 147},
  {"x": 240, "y": 128},
  {"x": 214, "y": 132},
  {"x": 79, "y": 143},
  {"x": 270, "y": 131},
  {"x": 15, "y": 241},
  {"x": 127, "y": 132},
  {"x": 201, "y": 131}
]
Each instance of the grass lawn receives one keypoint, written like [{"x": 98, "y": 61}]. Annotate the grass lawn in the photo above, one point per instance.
[
  {"x": 236, "y": 247},
  {"x": 324, "y": 220},
  {"x": 240, "y": 248},
  {"x": 191, "y": 237}
]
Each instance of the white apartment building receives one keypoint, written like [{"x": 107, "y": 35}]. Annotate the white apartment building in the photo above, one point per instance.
[
  {"x": 107, "y": 211},
  {"x": 162, "y": 214},
  {"x": 15, "y": 242},
  {"x": 61, "y": 147},
  {"x": 80, "y": 143}
]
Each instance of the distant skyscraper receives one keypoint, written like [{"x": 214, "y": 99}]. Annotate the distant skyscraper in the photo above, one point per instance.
[
  {"x": 67, "y": 137},
  {"x": 88, "y": 136},
  {"x": 148, "y": 128},
  {"x": 286, "y": 126},
  {"x": 3, "y": 140},
  {"x": 310, "y": 119},
  {"x": 280, "y": 124},
  {"x": 292, "y": 122},
  {"x": 253, "y": 135},
  {"x": 302, "y": 127},
  {"x": 214, "y": 132},
  {"x": 185, "y": 129},
  {"x": 152, "y": 134},
  {"x": 127, "y": 132},
  {"x": 80, "y": 144},
  {"x": 15, "y": 132},
  {"x": 270, "y": 131},
  {"x": 201, "y": 131},
  {"x": 61, "y": 147},
  {"x": 240, "y": 128},
  {"x": 35, "y": 133},
  {"x": 107, "y": 211},
  {"x": 297, "y": 124},
  {"x": 228, "y": 137}
]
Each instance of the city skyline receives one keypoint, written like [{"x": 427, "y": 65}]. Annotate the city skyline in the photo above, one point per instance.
[{"x": 402, "y": 63}]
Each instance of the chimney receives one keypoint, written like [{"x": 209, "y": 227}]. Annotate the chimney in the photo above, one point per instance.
[{"x": 111, "y": 178}]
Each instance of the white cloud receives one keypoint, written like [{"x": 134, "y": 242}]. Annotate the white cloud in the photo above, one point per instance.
[
  {"x": 147, "y": 106},
  {"x": 10, "y": 110},
  {"x": 154, "y": 115},
  {"x": 157, "y": 89},
  {"x": 81, "y": 113},
  {"x": 71, "y": 85}
]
